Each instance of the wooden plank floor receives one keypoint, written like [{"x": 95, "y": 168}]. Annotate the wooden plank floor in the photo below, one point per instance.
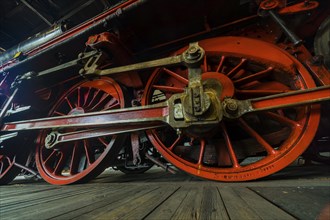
[{"x": 294, "y": 193}]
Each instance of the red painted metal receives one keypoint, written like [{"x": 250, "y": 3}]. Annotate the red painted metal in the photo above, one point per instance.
[
  {"x": 120, "y": 55},
  {"x": 268, "y": 151},
  {"x": 79, "y": 161},
  {"x": 299, "y": 7},
  {"x": 290, "y": 99},
  {"x": 288, "y": 9},
  {"x": 118, "y": 118}
]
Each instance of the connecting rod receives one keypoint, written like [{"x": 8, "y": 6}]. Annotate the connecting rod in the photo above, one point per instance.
[{"x": 194, "y": 107}]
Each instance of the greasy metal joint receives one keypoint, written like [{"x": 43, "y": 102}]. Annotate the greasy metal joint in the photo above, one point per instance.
[
  {"x": 194, "y": 55},
  {"x": 231, "y": 106},
  {"x": 51, "y": 140}
]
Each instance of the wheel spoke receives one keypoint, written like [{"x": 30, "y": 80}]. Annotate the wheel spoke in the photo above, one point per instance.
[
  {"x": 258, "y": 93},
  {"x": 69, "y": 103},
  {"x": 235, "y": 70},
  {"x": 59, "y": 113},
  {"x": 201, "y": 153},
  {"x": 205, "y": 64},
  {"x": 229, "y": 146},
  {"x": 51, "y": 155},
  {"x": 104, "y": 96},
  {"x": 220, "y": 64},
  {"x": 93, "y": 98},
  {"x": 176, "y": 76},
  {"x": 113, "y": 103},
  {"x": 283, "y": 120},
  {"x": 270, "y": 150},
  {"x": 175, "y": 143},
  {"x": 60, "y": 164},
  {"x": 78, "y": 97},
  {"x": 86, "y": 95},
  {"x": 89, "y": 155},
  {"x": 253, "y": 77},
  {"x": 103, "y": 142},
  {"x": 75, "y": 159},
  {"x": 169, "y": 89},
  {"x": 1, "y": 167}
]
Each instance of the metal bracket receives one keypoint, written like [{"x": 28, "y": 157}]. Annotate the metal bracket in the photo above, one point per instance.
[{"x": 269, "y": 7}]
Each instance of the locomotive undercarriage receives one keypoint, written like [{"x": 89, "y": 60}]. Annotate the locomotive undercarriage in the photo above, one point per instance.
[{"x": 223, "y": 108}]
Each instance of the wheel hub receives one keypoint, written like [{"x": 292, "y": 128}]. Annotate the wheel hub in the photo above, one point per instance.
[{"x": 199, "y": 109}]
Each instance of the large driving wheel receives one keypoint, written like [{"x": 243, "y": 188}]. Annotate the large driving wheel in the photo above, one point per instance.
[
  {"x": 81, "y": 160},
  {"x": 252, "y": 146}
]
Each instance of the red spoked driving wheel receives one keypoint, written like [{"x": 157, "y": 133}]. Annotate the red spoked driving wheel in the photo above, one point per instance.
[
  {"x": 255, "y": 145},
  {"x": 81, "y": 160}
]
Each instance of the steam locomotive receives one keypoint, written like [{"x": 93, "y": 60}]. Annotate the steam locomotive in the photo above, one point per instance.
[{"x": 223, "y": 90}]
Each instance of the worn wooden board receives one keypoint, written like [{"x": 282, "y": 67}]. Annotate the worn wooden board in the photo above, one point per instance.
[{"x": 159, "y": 195}]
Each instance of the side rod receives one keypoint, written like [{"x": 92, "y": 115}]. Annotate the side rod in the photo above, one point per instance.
[
  {"x": 119, "y": 117},
  {"x": 237, "y": 108},
  {"x": 162, "y": 113}
]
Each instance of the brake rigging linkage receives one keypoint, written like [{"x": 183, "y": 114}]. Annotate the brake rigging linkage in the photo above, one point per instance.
[{"x": 268, "y": 7}]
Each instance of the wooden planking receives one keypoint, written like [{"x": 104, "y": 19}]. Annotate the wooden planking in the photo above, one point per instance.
[
  {"x": 213, "y": 207},
  {"x": 159, "y": 195},
  {"x": 264, "y": 208},
  {"x": 302, "y": 202},
  {"x": 7, "y": 191},
  {"x": 167, "y": 209},
  {"x": 139, "y": 207},
  {"x": 241, "y": 201},
  {"x": 32, "y": 199},
  {"x": 202, "y": 202},
  {"x": 136, "y": 203},
  {"x": 105, "y": 202},
  {"x": 235, "y": 205},
  {"x": 39, "y": 204}
]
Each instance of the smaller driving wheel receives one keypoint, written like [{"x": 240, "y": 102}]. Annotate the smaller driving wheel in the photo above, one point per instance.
[{"x": 80, "y": 161}]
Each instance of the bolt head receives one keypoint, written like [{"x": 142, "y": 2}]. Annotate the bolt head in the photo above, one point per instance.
[
  {"x": 268, "y": 5},
  {"x": 231, "y": 106}
]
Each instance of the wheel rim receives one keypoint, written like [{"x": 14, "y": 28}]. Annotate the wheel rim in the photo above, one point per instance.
[
  {"x": 82, "y": 160},
  {"x": 255, "y": 145}
]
